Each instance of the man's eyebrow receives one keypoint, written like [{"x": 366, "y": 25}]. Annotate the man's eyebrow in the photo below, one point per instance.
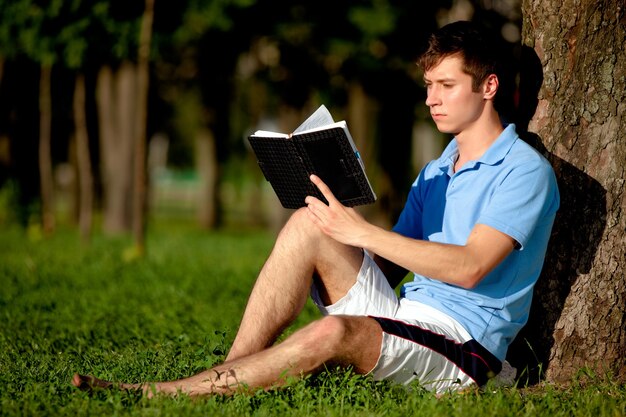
[{"x": 439, "y": 80}]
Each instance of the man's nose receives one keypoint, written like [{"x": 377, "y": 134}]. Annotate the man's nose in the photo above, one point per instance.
[{"x": 432, "y": 97}]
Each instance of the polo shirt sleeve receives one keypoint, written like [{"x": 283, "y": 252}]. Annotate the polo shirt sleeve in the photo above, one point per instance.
[{"x": 526, "y": 196}]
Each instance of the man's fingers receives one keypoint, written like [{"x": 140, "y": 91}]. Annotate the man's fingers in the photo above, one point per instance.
[
  {"x": 311, "y": 201},
  {"x": 323, "y": 188}
]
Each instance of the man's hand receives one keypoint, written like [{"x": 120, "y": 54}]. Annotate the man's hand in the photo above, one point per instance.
[
  {"x": 344, "y": 224},
  {"x": 461, "y": 265}
]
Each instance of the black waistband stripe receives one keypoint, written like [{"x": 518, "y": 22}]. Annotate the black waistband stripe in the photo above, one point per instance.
[{"x": 471, "y": 357}]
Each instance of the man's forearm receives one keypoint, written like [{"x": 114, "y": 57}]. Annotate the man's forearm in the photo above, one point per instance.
[{"x": 459, "y": 265}]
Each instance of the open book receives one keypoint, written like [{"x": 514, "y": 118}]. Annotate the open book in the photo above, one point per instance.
[{"x": 318, "y": 146}]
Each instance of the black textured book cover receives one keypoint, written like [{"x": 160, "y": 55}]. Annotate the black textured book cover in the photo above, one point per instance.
[{"x": 287, "y": 164}]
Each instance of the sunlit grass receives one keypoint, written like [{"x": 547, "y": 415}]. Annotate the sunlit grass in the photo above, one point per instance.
[{"x": 67, "y": 307}]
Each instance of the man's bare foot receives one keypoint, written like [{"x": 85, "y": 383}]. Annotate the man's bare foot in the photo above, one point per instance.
[{"x": 89, "y": 383}]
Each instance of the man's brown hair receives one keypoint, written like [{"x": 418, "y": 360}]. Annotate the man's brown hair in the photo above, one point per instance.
[{"x": 471, "y": 43}]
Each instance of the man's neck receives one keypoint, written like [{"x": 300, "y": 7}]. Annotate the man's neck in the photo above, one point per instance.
[{"x": 474, "y": 142}]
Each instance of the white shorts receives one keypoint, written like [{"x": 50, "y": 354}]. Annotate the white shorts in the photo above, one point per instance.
[{"x": 419, "y": 342}]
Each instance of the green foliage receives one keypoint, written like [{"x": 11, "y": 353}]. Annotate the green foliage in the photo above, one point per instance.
[
  {"x": 69, "y": 308},
  {"x": 116, "y": 32},
  {"x": 201, "y": 16},
  {"x": 20, "y": 22},
  {"x": 377, "y": 20},
  {"x": 60, "y": 31}
]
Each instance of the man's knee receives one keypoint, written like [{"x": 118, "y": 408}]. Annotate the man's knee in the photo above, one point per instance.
[
  {"x": 328, "y": 333},
  {"x": 338, "y": 333},
  {"x": 300, "y": 225},
  {"x": 297, "y": 221},
  {"x": 346, "y": 340}
]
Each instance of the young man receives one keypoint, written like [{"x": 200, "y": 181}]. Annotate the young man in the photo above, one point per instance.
[{"x": 474, "y": 232}]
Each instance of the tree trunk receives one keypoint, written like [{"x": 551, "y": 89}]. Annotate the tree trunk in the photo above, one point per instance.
[
  {"x": 1, "y": 68},
  {"x": 362, "y": 116},
  {"x": 46, "y": 177},
  {"x": 85, "y": 176},
  {"x": 141, "y": 122},
  {"x": 116, "y": 102},
  {"x": 207, "y": 165},
  {"x": 580, "y": 306}
]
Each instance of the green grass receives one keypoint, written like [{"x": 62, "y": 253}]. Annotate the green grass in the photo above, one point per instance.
[{"x": 67, "y": 307}]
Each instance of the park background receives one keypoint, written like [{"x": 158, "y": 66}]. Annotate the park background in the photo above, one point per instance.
[
  {"x": 123, "y": 129},
  {"x": 77, "y": 92}
]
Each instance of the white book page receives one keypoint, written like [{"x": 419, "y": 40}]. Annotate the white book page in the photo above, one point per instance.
[
  {"x": 268, "y": 134},
  {"x": 319, "y": 118}
]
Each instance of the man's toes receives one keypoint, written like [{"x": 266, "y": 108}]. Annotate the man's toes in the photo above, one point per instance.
[{"x": 88, "y": 383}]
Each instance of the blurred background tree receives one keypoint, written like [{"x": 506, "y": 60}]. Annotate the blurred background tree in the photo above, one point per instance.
[{"x": 217, "y": 70}]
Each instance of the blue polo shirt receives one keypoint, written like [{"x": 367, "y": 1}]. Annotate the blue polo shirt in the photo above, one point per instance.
[{"x": 511, "y": 188}]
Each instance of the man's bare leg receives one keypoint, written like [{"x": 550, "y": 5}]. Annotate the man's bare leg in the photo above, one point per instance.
[
  {"x": 301, "y": 251},
  {"x": 337, "y": 340},
  {"x": 280, "y": 292}
]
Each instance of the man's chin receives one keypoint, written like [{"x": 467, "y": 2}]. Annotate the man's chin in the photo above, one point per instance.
[{"x": 446, "y": 130}]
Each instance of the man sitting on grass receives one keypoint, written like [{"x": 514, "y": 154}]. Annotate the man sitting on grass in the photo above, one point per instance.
[{"x": 474, "y": 232}]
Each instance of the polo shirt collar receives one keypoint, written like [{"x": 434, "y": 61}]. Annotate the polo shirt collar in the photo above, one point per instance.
[{"x": 496, "y": 152}]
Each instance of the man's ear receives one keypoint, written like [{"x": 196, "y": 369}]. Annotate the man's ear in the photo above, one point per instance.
[{"x": 490, "y": 87}]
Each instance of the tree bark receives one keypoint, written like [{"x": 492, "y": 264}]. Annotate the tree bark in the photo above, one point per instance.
[
  {"x": 116, "y": 98},
  {"x": 83, "y": 156},
  {"x": 362, "y": 116},
  {"x": 579, "y": 311},
  {"x": 46, "y": 176},
  {"x": 141, "y": 122},
  {"x": 206, "y": 163}
]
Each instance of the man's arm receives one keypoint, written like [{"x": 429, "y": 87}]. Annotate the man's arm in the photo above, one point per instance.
[
  {"x": 461, "y": 265},
  {"x": 464, "y": 266}
]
